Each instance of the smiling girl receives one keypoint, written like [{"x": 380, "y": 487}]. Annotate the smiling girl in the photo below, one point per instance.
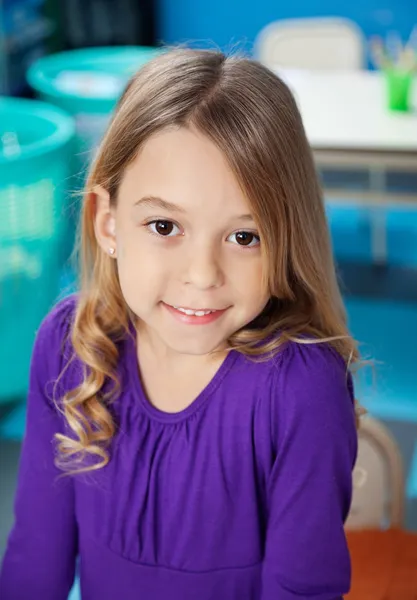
[{"x": 197, "y": 389}]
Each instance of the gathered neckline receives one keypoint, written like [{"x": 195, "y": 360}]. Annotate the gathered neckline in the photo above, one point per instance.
[{"x": 194, "y": 406}]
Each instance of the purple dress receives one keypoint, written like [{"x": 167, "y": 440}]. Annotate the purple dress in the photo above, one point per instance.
[{"x": 241, "y": 496}]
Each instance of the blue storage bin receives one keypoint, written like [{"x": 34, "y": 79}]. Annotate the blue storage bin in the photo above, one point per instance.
[
  {"x": 35, "y": 146},
  {"x": 87, "y": 84}
]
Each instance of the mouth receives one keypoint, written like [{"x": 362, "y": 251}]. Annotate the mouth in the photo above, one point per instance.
[
  {"x": 194, "y": 315},
  {"x": 195, "y": 312}
]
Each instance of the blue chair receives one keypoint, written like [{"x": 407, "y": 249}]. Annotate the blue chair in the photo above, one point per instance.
[{"x": 412, "y": 478}]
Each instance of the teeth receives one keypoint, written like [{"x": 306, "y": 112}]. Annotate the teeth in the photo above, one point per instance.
[{"x": 193, "y": 313}]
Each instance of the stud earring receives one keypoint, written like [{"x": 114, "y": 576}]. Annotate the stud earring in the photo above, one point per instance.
[{"x": 111, "y": 251}]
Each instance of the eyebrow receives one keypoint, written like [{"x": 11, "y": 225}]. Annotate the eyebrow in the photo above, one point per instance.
[{"x": 156, "y": 202}]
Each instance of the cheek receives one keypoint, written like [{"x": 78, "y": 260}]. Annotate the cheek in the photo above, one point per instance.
[
  {"x": 247, "y": 281},
  {"x": 143, "y": 273}
]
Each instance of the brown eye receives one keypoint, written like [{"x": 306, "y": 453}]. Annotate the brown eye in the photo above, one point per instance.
[
  {"x": 163, "y": 228},
  {"x": 245, "y": 238}
]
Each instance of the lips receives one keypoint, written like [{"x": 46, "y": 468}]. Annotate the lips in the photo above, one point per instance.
[
  {"x": 196, "y": 312},
  {"x": 194, "y": 316}
]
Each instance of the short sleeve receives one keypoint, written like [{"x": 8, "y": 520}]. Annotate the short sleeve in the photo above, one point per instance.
[
  {"x": 40, "y": 556},
  {"x": 310, "y": 485}
]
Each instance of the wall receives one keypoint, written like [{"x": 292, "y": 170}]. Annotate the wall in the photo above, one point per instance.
[{"x": 227, "y": 22}]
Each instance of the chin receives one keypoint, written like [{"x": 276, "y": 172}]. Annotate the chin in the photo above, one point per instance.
[{"x": 194, "y": 347}]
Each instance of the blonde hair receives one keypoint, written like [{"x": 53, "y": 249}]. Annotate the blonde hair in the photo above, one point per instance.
[{"x": 250, "y": 114}]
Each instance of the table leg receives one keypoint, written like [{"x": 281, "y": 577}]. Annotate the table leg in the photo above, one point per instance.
[{"x": 377, "y": 184}]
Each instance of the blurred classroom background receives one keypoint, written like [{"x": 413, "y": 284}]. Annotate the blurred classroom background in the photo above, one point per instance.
[{"x": 352, "y": 68}]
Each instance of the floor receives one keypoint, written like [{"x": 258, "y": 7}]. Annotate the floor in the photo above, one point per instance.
[{"x": 9, "y": 456}]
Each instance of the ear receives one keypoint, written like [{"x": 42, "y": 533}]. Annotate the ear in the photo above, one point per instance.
[{"x": 104, "y": 221}]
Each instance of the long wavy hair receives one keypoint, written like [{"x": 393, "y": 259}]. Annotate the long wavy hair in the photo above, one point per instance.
[{"x": 252, "y": 117}]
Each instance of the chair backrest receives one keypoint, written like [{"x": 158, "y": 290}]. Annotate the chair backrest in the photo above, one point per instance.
[
  {"x": 378, "y": 479},
  {"x": 316, "y": 43}
]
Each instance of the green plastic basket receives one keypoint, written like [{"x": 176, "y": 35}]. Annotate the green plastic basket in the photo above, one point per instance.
[
  {"x": 87, "y": 83},
  {"x": 35, "y": 145}
]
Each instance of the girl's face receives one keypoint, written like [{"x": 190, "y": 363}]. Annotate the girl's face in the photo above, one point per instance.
[{"x": 187, "y": 247}]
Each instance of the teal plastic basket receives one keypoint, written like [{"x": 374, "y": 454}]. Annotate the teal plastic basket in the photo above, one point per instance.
[
  {"x": 87, "y": 83},
  {"x": 35, "y": 146}
]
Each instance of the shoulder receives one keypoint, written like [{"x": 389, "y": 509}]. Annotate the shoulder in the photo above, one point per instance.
[
  {"x": 56, "y": 326},
  {"x": 311, "y": 366},
  {"x": 308, "y": 385},
  {"x": 52, "y": 343},
  {"x": 313, "y": 396},
  {"x": 299, "y": 366}
]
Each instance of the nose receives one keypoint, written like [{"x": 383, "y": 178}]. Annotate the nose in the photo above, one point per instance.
[{"x": 202, "y": 268}]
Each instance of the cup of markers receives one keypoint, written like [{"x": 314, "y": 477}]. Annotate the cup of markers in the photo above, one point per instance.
[
  {"x": 398, "y": 63},
  {"x": 398, "y": 89}
]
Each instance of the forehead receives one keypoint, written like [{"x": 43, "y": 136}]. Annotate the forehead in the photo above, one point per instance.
[{"x": 184, "y": 166}]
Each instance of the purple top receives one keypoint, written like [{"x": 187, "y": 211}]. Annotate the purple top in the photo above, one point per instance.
[{"x": 241, "y": 496}]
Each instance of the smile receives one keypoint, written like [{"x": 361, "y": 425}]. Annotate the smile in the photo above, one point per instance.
[
  {"x": 194, "y": 316},
  {"x": 200, "y": 312}
]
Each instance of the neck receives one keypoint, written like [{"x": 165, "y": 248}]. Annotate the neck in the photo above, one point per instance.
[{"x": 159, "y": 353}]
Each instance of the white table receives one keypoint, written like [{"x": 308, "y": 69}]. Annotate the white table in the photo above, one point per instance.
[{"x": 349, "y": 127}]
